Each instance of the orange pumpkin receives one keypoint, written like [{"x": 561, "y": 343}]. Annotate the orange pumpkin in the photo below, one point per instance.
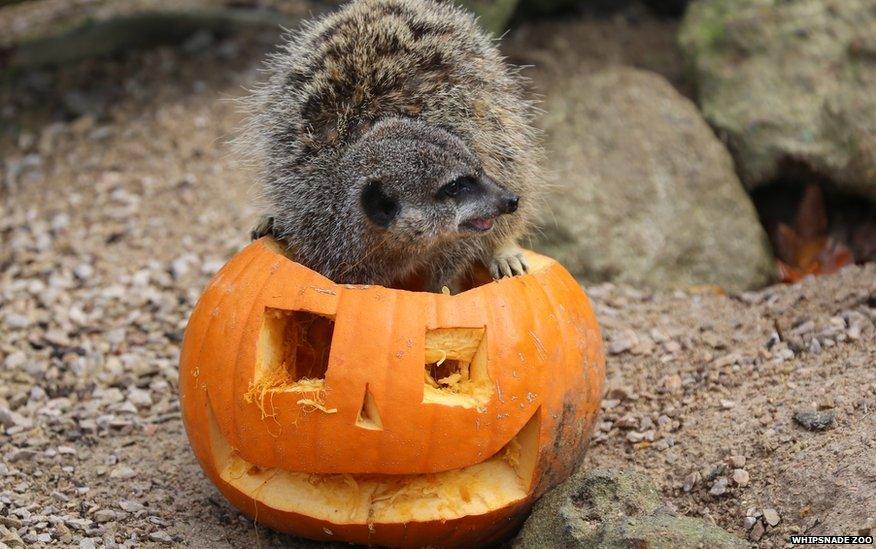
[{"x": 388, "y": 417}]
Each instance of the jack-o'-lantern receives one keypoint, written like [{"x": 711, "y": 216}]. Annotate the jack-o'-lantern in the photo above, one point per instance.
[{"x": 384, "y": 416}]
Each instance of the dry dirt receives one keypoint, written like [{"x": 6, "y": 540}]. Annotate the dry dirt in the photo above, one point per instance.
[{"x": 120, "y": 198}]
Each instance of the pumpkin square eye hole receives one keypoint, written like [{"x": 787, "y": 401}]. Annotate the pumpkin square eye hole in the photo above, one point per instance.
[
  {"x": 456, "y": 368},
  {"x": 293, "y": 349}
]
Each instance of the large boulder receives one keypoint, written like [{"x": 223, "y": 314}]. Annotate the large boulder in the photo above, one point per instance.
[
  {"x": 614, "y": 509},
  {"x": 646, "y": 194},
  {"x": 789, "y": 83}
]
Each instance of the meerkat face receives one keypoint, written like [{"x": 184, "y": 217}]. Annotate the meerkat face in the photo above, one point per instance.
[{"x": 420, "y": 185}]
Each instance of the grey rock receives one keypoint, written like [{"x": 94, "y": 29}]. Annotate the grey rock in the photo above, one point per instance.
[
  {"x": 104, "y": 515},
  {"x": 614, "y": 509},
  {"x": 719, "y": 487},
  {"x": 647, "y": 194},
  {"x": 160, "y": 536},
  {"x": 814, "y": 421},
  {"x": 789, "y": 81}
]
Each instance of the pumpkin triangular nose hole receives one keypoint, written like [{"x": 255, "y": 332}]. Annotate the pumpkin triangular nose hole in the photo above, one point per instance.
[{"x": 369, "y": 415}]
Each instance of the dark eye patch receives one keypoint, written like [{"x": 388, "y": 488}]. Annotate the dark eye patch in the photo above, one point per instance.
[
  {"x": 380, "y": 208},
  {"x": 459, "y": 186}
]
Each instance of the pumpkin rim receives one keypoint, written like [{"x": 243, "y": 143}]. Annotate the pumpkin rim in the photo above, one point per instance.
[{"x": 537, "y": 264}]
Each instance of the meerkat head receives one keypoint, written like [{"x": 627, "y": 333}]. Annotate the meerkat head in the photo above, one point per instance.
[{"x": 419, "y": 185}]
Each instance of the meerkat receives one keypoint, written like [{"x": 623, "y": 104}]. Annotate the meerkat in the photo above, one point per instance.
[{"x": 394, "y": 140}]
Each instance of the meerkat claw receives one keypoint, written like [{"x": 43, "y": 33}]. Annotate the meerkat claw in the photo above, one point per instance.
[{"x": 508, "y": 263}]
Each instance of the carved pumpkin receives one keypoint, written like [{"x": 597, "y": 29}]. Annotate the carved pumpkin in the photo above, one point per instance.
[{"x": 388, "y": 417}]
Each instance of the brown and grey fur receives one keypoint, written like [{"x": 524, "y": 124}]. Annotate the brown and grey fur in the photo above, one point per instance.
[{"x": 411, "y": 82}]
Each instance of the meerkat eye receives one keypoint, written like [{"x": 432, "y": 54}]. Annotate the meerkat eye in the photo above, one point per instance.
[
  {"x": 457, "y": 186},
  {"x": 380, "y": 208}
]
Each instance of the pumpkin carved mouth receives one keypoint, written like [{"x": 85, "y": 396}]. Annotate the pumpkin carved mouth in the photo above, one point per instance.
[{"x": 365, "y": 499}]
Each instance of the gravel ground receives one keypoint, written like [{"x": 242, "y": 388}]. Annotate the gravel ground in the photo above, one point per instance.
[{"x": 120, "y": 198}]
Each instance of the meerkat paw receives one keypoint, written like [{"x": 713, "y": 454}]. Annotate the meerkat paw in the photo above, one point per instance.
[
  {"x": 508, "y": 261},
  {"x": 265, "y": 227}
]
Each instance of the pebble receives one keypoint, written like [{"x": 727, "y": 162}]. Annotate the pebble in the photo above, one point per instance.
[
  {"x": 160, "y": 536},
  {"x": 14, "y": 360},
  {"x": 741, "y": 477},
  {"x": 139, "y": 397},
  {"x": 22, "y": 454},
  {"x": 756, "y": 531},
  {"x": 814, "y": 421},
  {"x": 622, "y": 341},
  {"x": 748, "y": 522},
  {"x": 771, "y": 516},
  {"x": 123, "y": 472},
  {"x": 104, "y": 515},
  {"x": 736, "y": 461},
  {"x": 719, "y": 487}
]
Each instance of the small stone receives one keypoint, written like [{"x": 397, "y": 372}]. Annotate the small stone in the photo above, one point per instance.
[
  {"x": 671, "y": 384},
  {"x": 756, "y": 531},
  {"x": 179, "y": 267},
  {"x": 139, "y": 397},
  {"x": 622, "y": 342},
  {"x": 727, "y": 404},
  {"x": 672, "y": 346},
  {"x": 16, "y": 321},
  {"x": 14, "y": 360},
  {"x": 814, "y": 421},
  {"x": 719, "y": 488},
  {"x": 211, "y": 266},
  {"x": 22, "y": 454},
  {"x": 104, "y": 515},
  {"x": 634, "y": 437},
  {"x": 741, "y": 477},
  {"x": 160, "y": 536},
  {"x": 8, "y": 418},
  {"x": 771, "y": 516},
  {"x": 736, "y": 461},
  {"x": 690, "y": 481},
  {"x": 131, "y": 506},
  {"x": 123, "y": 472},
  {"x": 83, "y": 271},
  {"x": 87, "y": 543},
  {"x": 748, "y": 522}
]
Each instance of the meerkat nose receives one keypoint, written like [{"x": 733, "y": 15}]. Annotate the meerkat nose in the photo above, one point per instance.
[{"x": 511, "y": 204}]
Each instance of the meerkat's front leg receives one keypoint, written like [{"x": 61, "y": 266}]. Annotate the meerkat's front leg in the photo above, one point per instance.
[
  {"x": 265, "y": 227},
  {"x": 508, "y": 260}
]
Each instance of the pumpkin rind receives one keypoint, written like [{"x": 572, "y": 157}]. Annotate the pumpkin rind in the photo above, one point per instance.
[{"x": 543, "y": 357}]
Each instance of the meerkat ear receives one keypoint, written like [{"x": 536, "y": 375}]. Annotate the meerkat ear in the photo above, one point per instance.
[{"x": 380, "y": 208}]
